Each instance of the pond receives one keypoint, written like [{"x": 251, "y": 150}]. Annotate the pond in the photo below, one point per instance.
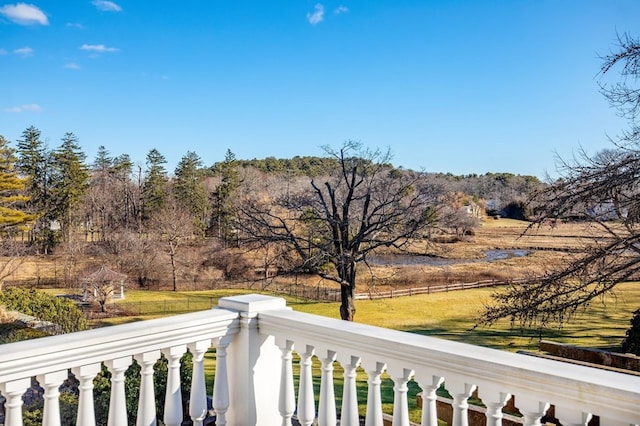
[{"x": 409, "y": 259}]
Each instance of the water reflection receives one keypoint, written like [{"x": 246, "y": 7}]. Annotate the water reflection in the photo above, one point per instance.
[{"x": 408, "y": 259}]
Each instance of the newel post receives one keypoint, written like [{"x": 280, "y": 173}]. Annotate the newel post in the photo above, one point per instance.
[{"x": 254, "y": 364}]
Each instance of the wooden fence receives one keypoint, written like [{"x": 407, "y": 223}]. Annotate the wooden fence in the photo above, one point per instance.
[{"x": 333, "y": 295}]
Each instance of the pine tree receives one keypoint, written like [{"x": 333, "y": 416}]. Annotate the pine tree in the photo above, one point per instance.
[
  {"x": 225, "y": 195},
  {"x": 189, "y": 189},
  {"x": 34, "y": 165},
  {"x": 127, "y": 193},
  {"x": 70, "y": 183},
  {"x": 12, "y": 196},
  {"x": 154, "y": 188},
  {"x": 100, "y": 206}
]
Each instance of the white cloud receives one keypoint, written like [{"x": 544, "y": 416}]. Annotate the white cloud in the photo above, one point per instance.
[
  {"x": 24, "y": 14},
  {"x": 341, "y": 9},
  {"x": 74, "y": 25},
  {"x": 107, "y": 6},
  {"x": 72, "y": 66},
  {"x": 24, "y": 51},
  {"x": 98, "y": 48},
  {"x": 317, "y": 16},
  {"x": 24, "y": 108}
]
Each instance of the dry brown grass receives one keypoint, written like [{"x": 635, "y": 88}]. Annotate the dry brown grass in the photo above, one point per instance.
[
  {"x": 550, "y": 246},
  {"x": 6, "y": 317}
]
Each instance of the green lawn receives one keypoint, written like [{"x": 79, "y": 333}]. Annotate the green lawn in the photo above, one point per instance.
[{"x": 447, "y": 315}]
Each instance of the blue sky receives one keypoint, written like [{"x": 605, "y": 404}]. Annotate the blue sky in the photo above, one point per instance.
[{"x": 449, "y": 86}]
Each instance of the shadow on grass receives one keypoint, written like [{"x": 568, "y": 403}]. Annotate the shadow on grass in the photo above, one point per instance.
[{"x": 503, "y": 339}]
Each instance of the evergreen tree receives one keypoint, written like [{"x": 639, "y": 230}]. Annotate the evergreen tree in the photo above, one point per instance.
[
  {"x": 70, "y": 183},
  {"x": 100, "y": 208},
  {"x": 189, "y": 189},
  {"x": 225, "y": 196},
  {"x": 154, "y": 188},
  {"x": 103, "y": 161},
  {"x": 127, "y": 193},
  {"x": 12, "y": 197},
  {"x": 34, "y": 164}
]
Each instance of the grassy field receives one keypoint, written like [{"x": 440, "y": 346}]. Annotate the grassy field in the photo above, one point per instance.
[{"x": 446, "y": 315}]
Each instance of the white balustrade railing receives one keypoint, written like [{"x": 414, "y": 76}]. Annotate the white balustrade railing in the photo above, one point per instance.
[{"x": 258, "y": 341}]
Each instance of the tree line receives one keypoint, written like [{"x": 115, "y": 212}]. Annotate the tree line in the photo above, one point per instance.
[
  {"x": 151, "y": 223},
  {"x": 55, "y": 196}
]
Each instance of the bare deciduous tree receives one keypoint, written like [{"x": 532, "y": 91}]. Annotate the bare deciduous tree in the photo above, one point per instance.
[
  {"x": 331, "y": 226},
  {"x": 12, "y": 255},
  {"x": 173, "y": 225},
  {"x": 602, "y": 189}
]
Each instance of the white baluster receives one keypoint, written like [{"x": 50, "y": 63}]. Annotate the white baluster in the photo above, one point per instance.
[
  {"x": 198, "y": 397},
  {"x": 374, "y": 399},
  {"x": 306, "y": 400},
  {"x": 572, "y": 417},
  {"x": 287, "y": 399},
  {"x": 173, "y": 415},
  {"x": 221, "y": 382},
  {"x": 118, "y": 400},
  {"x": 349, "y": 413},
  {"x": 327, "y": 415},
  {"x": 147, "y": 399},
  {"x": 495, "y": 400},
  {"x": 532, "y": 411},
  {"x": 401, "y": 377},
  {"x": 51, "y": 383},
  {"x": 460, "y": 391},
  {"x": 85, "y": 375},
  {"x": 13, "y": 391},
  {"x": 429, "y": 385}
]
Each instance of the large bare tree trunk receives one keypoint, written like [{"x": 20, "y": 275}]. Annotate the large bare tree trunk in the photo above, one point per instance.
[
  {"x": 347, "y": 305},
  {"x": 347, "y": 291}
]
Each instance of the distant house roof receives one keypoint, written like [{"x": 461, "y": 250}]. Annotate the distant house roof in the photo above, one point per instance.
[{"x": 105, "y": 275}]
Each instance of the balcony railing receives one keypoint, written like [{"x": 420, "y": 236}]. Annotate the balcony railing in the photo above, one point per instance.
[{"x": 255, "y": 338}]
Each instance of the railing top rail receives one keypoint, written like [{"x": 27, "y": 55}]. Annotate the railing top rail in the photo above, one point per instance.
[
  {"x": 548, "y": 380},
  {"x": 29, "y": 358}
]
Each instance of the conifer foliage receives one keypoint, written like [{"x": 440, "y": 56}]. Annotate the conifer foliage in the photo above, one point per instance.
[{"x": 12, "y": 196}]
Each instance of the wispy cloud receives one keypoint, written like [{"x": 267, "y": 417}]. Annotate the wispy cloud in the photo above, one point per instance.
[
  {"x": 3, "y": 52},
  {"x": 24, "y": 51},
  {"x": 24, "y": 14},
  {"x": 317, "y": 16},
  {"x": 24, "y": 108},
  {"x": 340, "y": 10},
  {"x": 72, "y": 66},
  {"x": 98, "y": 48},
  {"x": 107, "y": 6},
  {"x": 74, "y": 25}
]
